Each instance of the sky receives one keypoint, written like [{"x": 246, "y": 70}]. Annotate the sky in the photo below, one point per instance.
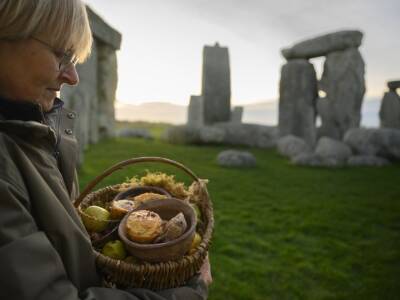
[{"x": 162, "y": 42}]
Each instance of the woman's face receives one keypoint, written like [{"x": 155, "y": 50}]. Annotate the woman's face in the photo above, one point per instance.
[{"x": 29, "y": 71}]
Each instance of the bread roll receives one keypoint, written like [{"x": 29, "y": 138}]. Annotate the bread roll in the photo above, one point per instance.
[
  {"x": 143, "y": 226},
  {"x": 119, "y": 208}
]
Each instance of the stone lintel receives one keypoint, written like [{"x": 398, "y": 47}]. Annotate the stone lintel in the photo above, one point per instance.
[
  {"x": 393, "y": 85},
  {"x": 102, "y": 31},
  {"x": 324, "y": 44}
]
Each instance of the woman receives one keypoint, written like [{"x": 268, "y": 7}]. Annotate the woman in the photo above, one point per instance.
[{"x": 45, "y": 252}]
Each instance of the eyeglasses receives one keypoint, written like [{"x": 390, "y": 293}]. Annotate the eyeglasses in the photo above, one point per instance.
[{"x": 66, "y": 58}]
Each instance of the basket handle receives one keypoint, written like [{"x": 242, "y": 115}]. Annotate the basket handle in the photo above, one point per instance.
[{"x": 125, "y": 163}]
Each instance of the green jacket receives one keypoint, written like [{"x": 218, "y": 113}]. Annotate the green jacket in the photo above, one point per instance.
[{"x": 45, "y": 252}]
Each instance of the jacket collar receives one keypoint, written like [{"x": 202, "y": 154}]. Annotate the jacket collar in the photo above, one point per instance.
[{"x": 26, "y": 111}]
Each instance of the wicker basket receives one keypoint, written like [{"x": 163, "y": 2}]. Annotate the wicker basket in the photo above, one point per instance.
[{"x": 155, "y": 275}]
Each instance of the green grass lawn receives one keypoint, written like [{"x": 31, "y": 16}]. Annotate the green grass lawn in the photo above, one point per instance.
[{"x": 285, "y": 232}]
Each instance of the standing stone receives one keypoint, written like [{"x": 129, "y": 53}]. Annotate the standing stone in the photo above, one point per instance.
[
  {"x": 298, "y": 93},
  {"x": 328, "y": 126},
  {"x": 83, "y": 99},
  {"x": 93, "y": 99},
  {"x": 216, "y": 84},
  {"x": 195, "y": 111},
  {"x": 389, "y": 112},
  {"x": 325, "y": 44},
  {"x": 343, "y": 82},
  {"x": 237, "y": 113},
  {"x": 107, "y": 86}
]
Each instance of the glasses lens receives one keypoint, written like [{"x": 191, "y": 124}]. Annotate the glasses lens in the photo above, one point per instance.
[{"x": 67, "y": 60}]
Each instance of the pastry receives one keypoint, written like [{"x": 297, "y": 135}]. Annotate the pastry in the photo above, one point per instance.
[
  {"x": 173, "y": 229},
  {"x": 143, "y": 226},
  {"x": 119, "y": 208},
  {"x": 146, "y": 197}
]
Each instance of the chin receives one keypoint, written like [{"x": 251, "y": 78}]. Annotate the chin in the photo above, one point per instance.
[{"x": 47, "y": 105}]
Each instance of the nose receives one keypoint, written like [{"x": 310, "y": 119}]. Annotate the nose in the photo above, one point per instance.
[{"x": 69, "y": 75}]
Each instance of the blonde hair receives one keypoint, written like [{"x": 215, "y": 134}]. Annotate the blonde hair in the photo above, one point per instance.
[{"x": 63, "y": 23}]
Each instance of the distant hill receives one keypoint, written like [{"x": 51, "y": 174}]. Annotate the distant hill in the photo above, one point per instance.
[
  {"x": 177, "y": 114},
  {"x": 264, "y": 112},
  {"x": 261, "y": 105},
  {"x": 152, "y": 112}
]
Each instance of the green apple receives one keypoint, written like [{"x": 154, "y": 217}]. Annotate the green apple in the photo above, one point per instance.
[
  {"x": 114, "y": 249},
  {"x": 98, "y": 212},
  {"x": 95, "y": 218}
]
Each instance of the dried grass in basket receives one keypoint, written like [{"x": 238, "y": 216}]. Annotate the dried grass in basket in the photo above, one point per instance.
[{"x": 156, "y": 275}]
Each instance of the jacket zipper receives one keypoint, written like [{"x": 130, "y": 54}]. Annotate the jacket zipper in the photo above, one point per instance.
[{"x": 56, "y": 151}]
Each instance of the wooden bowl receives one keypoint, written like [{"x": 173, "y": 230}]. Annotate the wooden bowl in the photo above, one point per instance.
[{"x": 171, "y": 250}]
